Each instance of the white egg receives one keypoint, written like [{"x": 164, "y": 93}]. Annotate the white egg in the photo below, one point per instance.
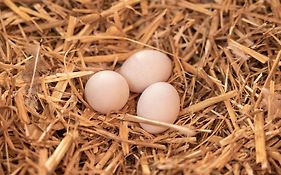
[
  {"x": 145, "y": 68},
  {"x": 160, "y": 102},
  {"x": 107, "y": 91}
]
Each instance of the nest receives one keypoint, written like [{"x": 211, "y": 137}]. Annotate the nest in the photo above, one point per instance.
[{"x": 226, "y": 58}]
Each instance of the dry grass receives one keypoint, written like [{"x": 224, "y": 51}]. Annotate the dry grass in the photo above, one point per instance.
[{"x": 226, "y": 56}]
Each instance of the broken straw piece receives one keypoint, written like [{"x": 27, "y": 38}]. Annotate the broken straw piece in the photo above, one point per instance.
[{"x": 60, "y": 151}]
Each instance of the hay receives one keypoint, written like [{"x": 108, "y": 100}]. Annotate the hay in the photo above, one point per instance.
[{"x": 226, "y": 57}]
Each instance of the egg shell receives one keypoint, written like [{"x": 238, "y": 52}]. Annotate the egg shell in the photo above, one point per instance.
[
  {"x": 160, "y": 102},
  {"x": 146, "y": 67},
  {"x": 107, "y": 91}
]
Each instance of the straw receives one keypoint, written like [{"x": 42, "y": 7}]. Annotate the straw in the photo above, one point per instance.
[{"x": 226, "y": 68}]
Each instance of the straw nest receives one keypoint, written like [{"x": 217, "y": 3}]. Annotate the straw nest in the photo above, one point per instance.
[{"x": 226, "y": 58}]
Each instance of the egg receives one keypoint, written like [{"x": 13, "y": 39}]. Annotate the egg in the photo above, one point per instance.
[
  {"x": 146, "y": 67},
  {"x": 107, "y": 91},
  {"x": 160, "y": 102}
]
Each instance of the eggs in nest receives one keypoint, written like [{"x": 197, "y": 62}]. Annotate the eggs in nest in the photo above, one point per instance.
[{"x": 143, "y": 72}]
